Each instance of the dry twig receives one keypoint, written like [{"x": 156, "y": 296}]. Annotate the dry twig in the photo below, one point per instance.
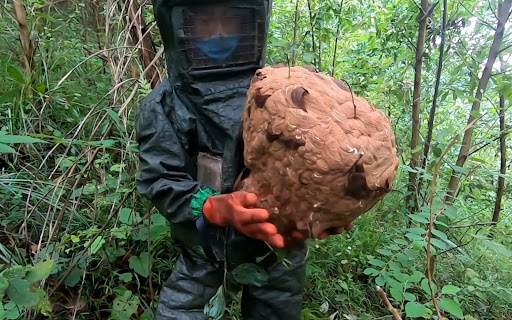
[{"x": 394, "y": 312}]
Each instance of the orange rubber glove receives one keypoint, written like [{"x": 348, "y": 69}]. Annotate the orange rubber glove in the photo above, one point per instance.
[{"x": 238, "y": 209}]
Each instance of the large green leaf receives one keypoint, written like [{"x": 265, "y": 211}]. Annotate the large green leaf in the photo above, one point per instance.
[
  {"x": 451, "y": 306},
  {"x": 74, "y": 277},
  {"x": 140, "y": 264},
  {"x": 4, "y": 283},
  {"x": 450, "y": 289},
  {"x": 250, "y": 274},
  {"x": 14, "y": 139},
  {"x": 97, "y": 244},
  {"x": 371, "y": 271},
  {"x": 438, "y": 243},
  {"x": 124, "y": 306},
  {"x": 16, "y": 74},
  {"x": 6, "y": 149},
  {"x": 126, "y": 277},
  {"x": 377, "y": 262},
  {"x": 426, "y": 287},
  {"x": 40, "y": 271},
  {"x": 10, "y": 311},
  {"x": 415, "y": 310},
  {"x": 9, "y": 96},
  {"x": 127, "y": 216},
  {"x": 217, "y": 305},
  {"x": 14, "y": 272},
  {"x": 19, "y": 293}
]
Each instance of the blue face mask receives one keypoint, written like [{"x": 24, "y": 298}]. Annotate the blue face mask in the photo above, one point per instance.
[{"x": 218, "y": 48}]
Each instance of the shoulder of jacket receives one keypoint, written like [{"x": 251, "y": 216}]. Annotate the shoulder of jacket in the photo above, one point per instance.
[{"x": 157, "y": 94}]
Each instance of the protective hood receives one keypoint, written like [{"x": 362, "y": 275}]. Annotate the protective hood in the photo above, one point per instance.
[{"x": 211, "y": 40}]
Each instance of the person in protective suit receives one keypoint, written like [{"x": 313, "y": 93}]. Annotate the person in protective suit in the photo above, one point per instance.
[{"x": 191, "y": 154}]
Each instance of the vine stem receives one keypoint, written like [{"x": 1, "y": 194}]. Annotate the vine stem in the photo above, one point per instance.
[{"x": 433, "y": 215}]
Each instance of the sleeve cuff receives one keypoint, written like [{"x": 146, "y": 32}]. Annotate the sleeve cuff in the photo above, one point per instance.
[{"x": 199, "y": 200}]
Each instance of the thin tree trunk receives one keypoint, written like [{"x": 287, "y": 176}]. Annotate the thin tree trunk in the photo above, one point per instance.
[
  {"x": 96, "y": 28},
  {"x": 412, "y": 198},
  {"x": 336, "y": 42},
  {"x": 312, "y": 31},
  {"x": 320, "y": 51},
  {"x": 26, "y": 44},
  {"x": 432, "y": 115},
  {"x": 503, "y": 164},
  {"x": 85, "y": 23},
  {"x": 503, "y": 14},
  {"x": 142, "y": 40},
  {"x": 295, "y": 29}
]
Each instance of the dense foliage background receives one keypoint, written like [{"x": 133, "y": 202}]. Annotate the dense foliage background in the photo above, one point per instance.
[{"x": 77, "y": 241}]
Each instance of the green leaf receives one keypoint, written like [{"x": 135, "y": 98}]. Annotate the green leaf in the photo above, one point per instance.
[
  {"x": 384, "y": 252},
  {"x": 125, "y": 305},
  {"x": 440, "y": 223},
  {"x": 250, "y": 274},
  {"x": 377, "y": 262},
  {"x": 396, "y": 294},
  {"x": 126, "y": 277},
  {"x": 437, "y": 151},
  {"x": 16, "y": 74},
  {"x": 380, "y": 281},
  {"x": 127, "y": 217},
  {"x": 217, "y": 305},
  {"x": 426, "y": 288},
  {"x": 43, "y": 304},
  {"x": 371, "y": 272},
  {"x": 451, "y": 212},
  {"x": 6, "y": 149},
  {"x": 121, "y": 232},
  {"x": 438, "y": 243},
  {"x": 439, "y": 234},
  {"x": 140, "y": 264},
  {"x": 13, "y": 139},
  {"x": 74, "y": 277},
  {"x": 19, "y": 292},
  {"x": 9, "y": 96},
  {"x": 502, "y": 250},
  {"x": 116, "y": 119},
  {"x": 419, "y": 231},
  {"x": 418, "y": 218},
  {"x": 401, "y": 241},
  {"x": 409, "y": 296},
  {"x": 40, "y": 271},
  {"x": 416, "y": 276},
  {"x": 11, "y": 311},
  {"x": 415, "y": 310},
  {"x": 147, "y": 315},
  {"x": 109, "y": 143},
  {"x": 451, "y": 306},
  {"x": 450, "y": 289},
  {"x": 76, "y": 193},
  {"x": 96, "y": 245},
  {"x": 410, "y": 253},
  {"x": 478, "y": 159},
  {"x": 460, "y": 169},
  {"x": 414, "y": 237},
  {"x": 14, "y": 272},
  {"x": 4, "y": 283}
]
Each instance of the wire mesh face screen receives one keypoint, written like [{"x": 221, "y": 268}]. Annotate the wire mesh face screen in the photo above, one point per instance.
[{"x": 221, "y": 35}]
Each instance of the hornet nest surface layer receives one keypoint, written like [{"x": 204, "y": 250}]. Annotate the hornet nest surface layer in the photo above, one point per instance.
[{"x": 318, "y": 156}]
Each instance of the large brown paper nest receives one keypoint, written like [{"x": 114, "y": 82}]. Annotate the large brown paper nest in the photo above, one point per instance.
[{"x": 318, "y": 155}]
